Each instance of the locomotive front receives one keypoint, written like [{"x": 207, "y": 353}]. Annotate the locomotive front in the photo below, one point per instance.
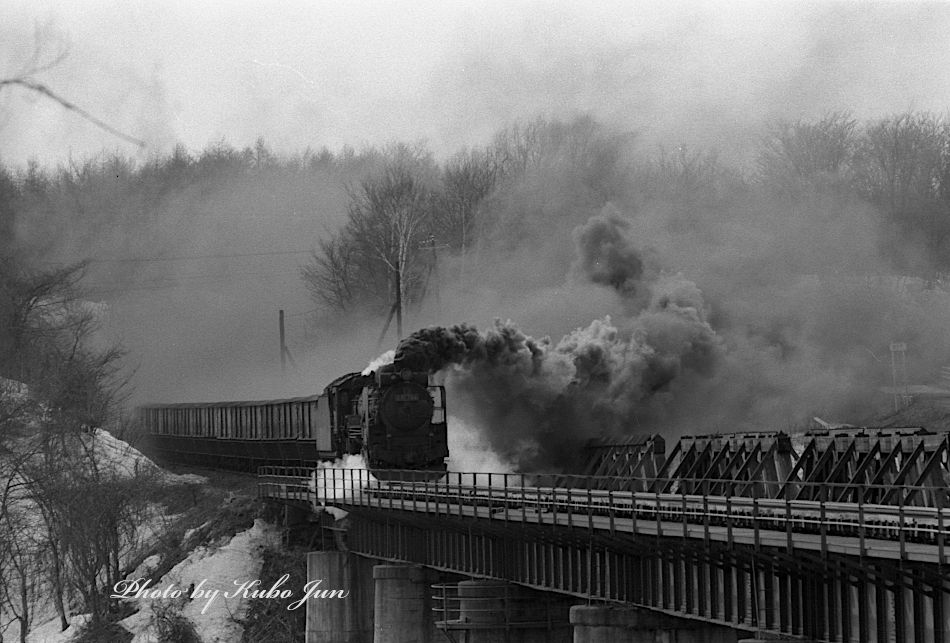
[{"x": 407, "y": 426}]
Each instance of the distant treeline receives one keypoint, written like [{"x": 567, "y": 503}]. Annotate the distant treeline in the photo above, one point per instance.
[{"x": 384, "y": 214}]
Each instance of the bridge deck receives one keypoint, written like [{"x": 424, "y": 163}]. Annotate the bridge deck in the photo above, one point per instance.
[{"x": 900, "y": 532}]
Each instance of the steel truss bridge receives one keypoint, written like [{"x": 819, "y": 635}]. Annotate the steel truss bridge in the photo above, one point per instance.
[{"x": 835, "y": 536}]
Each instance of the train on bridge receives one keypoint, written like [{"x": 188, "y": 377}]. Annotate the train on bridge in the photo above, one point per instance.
[
  {"x": 877, "y": 483},
  {"x": 394, "y": 417},
  {"x": 839, "y": 534}
]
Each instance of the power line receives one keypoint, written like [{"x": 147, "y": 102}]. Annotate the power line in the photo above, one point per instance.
[
  {"x": 305, "y": 312},
  {"x": 192, "y": 257},
  {"x": 173, "y": 279},
  {"x": 201, "y": 281}
]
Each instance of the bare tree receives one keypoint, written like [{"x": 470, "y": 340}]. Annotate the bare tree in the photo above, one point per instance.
[
  {"x": 381, "y": 255},
  {"x": 687, "y": 175},
  {"x": 389, "y": 219},
  {"x": 900, "y": 157},
  {"x": 467, "y": 179},
  {"x": 331, "y": 275},
  {"x": 47, "y": 331},
  {"x": 904, "y": 165},
  {"x": 22, "y": 541},
  {"x": 581, "y": 147},
  {"x": 90, "y": 513},
  {"x": 20, "y": 564},
  {"x": 796, "y": 155},
  {"x": 33, "y": 306},
  {"x": 18, "y": 551}
]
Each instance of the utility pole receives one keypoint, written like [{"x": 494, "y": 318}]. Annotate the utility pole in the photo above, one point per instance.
[
  {"x": 899, "y": 374},
  {"x": 284, "y": 351},
  {"x": 283, "y": 344},
  {"x": 434, "y": 270}
]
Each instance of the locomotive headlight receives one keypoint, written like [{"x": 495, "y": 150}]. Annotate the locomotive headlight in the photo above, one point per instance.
[{"x": 405, "y": 374}]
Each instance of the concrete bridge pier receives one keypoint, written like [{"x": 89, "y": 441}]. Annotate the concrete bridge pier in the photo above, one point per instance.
[
  {"x": 488, "y": 611},
  {"x": 339, "y": 618},
  {"x": 944, "y": 605},
  {"x": 765, "y": 637},
  {"x": 616, "y": 624},
  {"x": 403, "y": 605}
]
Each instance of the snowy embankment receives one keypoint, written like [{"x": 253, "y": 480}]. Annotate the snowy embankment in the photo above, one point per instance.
[
  {"x": 216, "y": 574},
  {"x": 211, "y": 567},
  {"x": 205, "y": 587},
  {"x": 110, "y": 452}
]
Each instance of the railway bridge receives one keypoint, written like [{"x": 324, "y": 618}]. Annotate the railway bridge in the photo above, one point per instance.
[{"x": 838, "y": 535}]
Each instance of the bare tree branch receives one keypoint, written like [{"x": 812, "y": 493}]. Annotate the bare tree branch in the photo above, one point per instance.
[{"x": 42, "y": 89}]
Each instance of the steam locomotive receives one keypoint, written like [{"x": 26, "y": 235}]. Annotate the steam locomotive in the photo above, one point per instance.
[{"x": 393, "y": 416}]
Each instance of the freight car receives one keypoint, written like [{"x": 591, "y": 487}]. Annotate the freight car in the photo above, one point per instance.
[{"x": 393, "y": 416}]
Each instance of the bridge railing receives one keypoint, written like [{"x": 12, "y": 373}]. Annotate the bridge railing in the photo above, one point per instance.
[
  {"x": 287, "y": 483},
  {"x": 583, "y": 501}
]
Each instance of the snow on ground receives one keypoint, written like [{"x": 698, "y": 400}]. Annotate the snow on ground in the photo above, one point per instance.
[
  {"x": 154, "y": 524},
  {"x": 216, "y": 572},
  {"x": 31, "y": 530},
  {"x": 109, "y": 453},
  {"x": 192, "y": 532},
  {"x": 49, "y": 632},
  {"x": 122, "y": 457},
  {"x": 211, "y": 570},
  {"x": 46, "y": 622},
  {"x": 13, "y": 391},
  {"x": 146, "y": 567}
]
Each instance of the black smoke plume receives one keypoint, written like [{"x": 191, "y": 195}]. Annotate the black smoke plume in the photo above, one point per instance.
[
  {"x": 537, "y": 401},
  {"x": 605, "y": 256}
]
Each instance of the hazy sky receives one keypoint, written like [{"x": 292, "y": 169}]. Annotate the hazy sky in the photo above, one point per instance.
[{"x": 320, "y": 73}]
